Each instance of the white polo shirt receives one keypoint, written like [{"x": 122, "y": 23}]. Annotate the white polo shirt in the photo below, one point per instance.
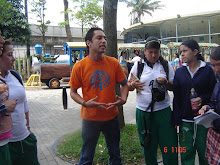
[
  {"x": 17, "y": 91},
  {"x": 144, "y": 97}
]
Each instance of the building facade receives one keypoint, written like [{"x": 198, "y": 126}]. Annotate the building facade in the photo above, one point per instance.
[
  {"x": 55, "y": 38},
  {"x": 202, "y": 27}
]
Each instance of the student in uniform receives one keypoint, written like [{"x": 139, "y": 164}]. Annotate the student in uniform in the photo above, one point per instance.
[{"x": 153, "y": 121}]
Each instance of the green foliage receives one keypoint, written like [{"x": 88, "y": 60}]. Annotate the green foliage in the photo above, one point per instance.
[
  {"x": 62, "y": 24},
  {"x": 140, "y": 7},
  {"x": 13, "y": 21},
  {"x": 39, "y": 8},
  {"x": 43, "y": 59},
  {"x": 65, "y": 12},
  {"x": 88, "y": 12},
  {"x": 70, "y": 147}
]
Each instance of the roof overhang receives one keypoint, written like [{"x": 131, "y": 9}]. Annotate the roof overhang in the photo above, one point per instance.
[{"x": 158, "y": 22}]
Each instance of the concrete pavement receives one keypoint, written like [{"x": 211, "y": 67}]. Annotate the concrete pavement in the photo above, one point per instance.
[{"x": 49, "y": 121}]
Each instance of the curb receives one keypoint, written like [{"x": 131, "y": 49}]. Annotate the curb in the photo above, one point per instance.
[{"x": 55, "y": 151}]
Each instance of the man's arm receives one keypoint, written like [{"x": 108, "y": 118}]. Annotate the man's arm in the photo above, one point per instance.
[
  {"x": 124, "y": 92},
  {"x": 76, "y": 97}
]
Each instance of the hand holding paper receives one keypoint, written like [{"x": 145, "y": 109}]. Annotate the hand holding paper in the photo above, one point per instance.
[
  {"x": 206, "y": 119},
  {"x": 136, "y": 83}
]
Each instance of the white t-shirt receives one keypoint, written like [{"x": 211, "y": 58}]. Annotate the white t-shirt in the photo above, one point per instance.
[
  {"x": 121, "y": 59},
  {"x": 144, "y": 97},
  {"x": 17, "y": 91},
  {"x": 136, "y": 58}
]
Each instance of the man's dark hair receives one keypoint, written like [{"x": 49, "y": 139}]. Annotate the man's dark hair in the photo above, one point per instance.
[
  {"x": 90, "y": 34},
  {"x": 216, "y": 54}
]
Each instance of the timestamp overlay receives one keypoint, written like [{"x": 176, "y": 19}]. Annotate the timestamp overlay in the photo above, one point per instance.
[{"x": 175, "y": 149}]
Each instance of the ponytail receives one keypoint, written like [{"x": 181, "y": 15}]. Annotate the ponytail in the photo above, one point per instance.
[{"x": 200, "y": 57}]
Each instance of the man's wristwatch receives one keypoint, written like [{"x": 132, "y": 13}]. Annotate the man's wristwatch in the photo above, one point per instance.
[{"x": 84, "y": 104}]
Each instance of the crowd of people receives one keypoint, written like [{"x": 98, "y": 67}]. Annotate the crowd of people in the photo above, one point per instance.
[{"x": 157, "y": 122}]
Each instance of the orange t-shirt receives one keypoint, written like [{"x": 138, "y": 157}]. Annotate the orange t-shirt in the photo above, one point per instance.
[{"x": 98, "y": 79}]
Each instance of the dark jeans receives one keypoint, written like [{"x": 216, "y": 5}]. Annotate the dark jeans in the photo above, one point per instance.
[{"x": 90, "y": 134}]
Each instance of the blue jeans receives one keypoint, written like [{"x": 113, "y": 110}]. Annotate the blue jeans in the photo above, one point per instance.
[{"x": 90, "y": 134}]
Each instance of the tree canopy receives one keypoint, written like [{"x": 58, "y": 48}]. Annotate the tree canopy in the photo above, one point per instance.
[
  {"x": 89, "y": 12},
  {"x": 38, "y": 9},
  {"x": 140, "y": 7},
  {"x": 13, "y": 21}
]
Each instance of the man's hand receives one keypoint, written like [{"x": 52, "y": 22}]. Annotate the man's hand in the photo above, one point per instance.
[
  {"x": 10, "y": 105},
  {"x": 92, "y": 103},
  {"x": 119, "y": 101}
]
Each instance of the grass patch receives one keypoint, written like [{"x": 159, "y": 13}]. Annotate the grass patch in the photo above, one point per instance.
[{"x": 69, "y": 147}]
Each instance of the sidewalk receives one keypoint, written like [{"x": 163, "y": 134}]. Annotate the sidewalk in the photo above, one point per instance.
[{"x": 49, "y": 121}]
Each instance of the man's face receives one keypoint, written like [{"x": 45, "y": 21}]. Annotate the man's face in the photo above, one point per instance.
[
  {"x": 1, "y": 42},
  {"x": 98, "y": 43}
]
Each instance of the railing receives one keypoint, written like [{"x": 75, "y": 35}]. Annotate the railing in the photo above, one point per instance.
[{"x": 23, "y": 67}]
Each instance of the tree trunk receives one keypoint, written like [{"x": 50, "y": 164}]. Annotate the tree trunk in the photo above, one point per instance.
[
  {"x": 44, "y": 42},
  {"x": 110, "y": 28},
  {"x": 66, "y": 19},
  {"x": 82, "y": 31}
]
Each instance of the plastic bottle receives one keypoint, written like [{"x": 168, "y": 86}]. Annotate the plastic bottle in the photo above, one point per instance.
[{"x": 193, "y": 96}]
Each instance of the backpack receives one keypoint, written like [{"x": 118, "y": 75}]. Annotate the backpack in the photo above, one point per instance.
[{"x": 14, "y": 73}]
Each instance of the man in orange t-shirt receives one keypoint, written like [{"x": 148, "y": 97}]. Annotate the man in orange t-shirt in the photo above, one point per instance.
[{"x": 97, "y": 75}]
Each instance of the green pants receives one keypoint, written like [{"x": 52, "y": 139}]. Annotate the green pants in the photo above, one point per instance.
[
  {"x": 186, "y": 140},
  {"x": 24, "y": 152},
  {"x": 163, "y": 134},
  {"x": 5, "y": 155}
]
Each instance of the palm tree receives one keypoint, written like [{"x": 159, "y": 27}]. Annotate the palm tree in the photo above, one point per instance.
[{"x": 140, "y": 7}]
